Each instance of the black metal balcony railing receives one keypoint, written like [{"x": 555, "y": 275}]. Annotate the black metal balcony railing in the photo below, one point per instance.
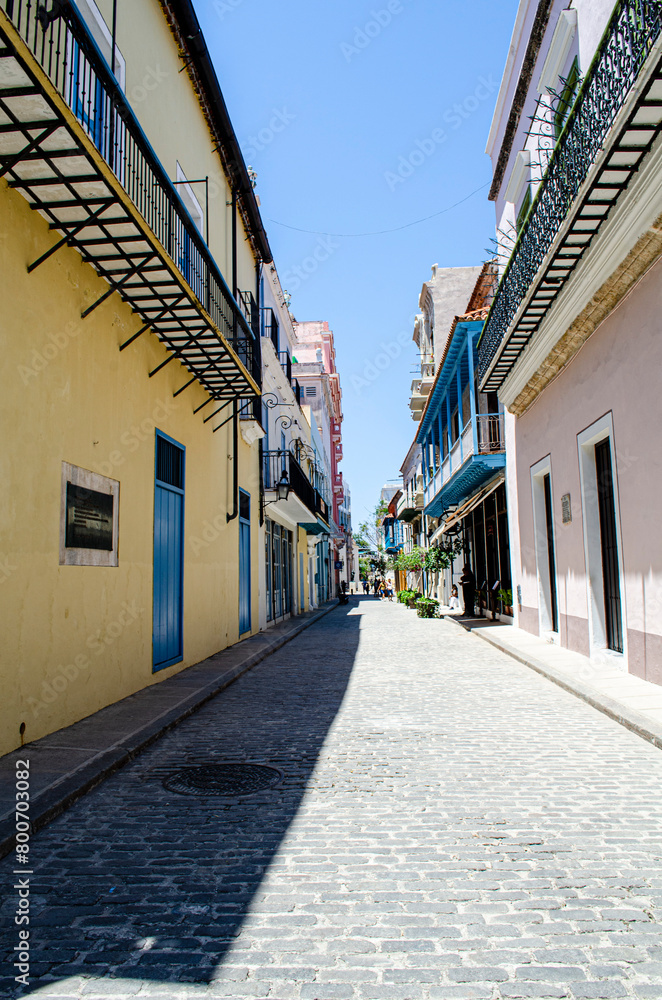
[
  {"x": 285, "y": 359},
  {"x": 278, "y": 462},
  {"x": 249, "y": 308},
  {"x": 296, "y": 389},
  {"x": 61, "y": 44},
  {"x": 634, "y": 27},
  {"x": 321, "y": 507},
  {"x": 270, "y": 326}
]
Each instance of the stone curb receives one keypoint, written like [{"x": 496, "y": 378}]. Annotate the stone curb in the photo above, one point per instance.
[
  {"x": 55, "y": 799},
  {"x": 627, "y": 717}
]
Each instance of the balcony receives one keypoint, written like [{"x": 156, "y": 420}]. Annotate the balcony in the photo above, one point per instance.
[
  {"x": 285, "y": 359},
  {"x": 410, "y": 505},
  {"x": 609, "y": 131},
  {"x": 72, "y": 146},
  {"x": 270, "y": 326},
  {"x": 474, "y": 457},
  {"x": 301, "y": 502}
]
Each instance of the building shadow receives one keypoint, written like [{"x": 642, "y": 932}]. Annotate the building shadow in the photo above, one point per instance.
[{"x": 142, "y": 883}]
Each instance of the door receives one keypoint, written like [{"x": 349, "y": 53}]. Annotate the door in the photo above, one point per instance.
[
  {"x": 244, "y": 562},
  {"x": 301, "y": 588},
  {"x": 168, "y": 587},
  {"x": 551, "y": 555},
  {"x": 609, "y": 546}
]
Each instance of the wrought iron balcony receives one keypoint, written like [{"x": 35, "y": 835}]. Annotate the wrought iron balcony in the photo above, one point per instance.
[
  {"x": 567, "y": 211},
  {"x": 270, "y": 326},
  {"x": 285, "y": 359},
  {"x": 278, "y": 462},
  {"x": 72, "y": 146}
]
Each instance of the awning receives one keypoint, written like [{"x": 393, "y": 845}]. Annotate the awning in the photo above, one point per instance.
[{"x": 469, "y": 505}]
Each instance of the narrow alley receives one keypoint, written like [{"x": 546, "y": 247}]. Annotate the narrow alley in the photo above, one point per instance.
[{"x": 444, "y": 823}]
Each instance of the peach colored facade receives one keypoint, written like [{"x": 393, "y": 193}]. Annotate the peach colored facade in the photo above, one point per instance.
[
  {"x": 572, "y": 344},
  {"x": 617, "y": 371}
]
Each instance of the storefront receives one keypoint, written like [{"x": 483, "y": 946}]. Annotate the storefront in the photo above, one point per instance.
[
  {"x": 278, "y": 562},
  {"x": 481, "y": 523}
]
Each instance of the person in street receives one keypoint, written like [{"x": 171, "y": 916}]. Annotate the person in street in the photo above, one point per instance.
[
  {"x": 389, "y": 590},
  {"x": 376, "y": 586},
  {"x": 468, "y": 584},
  {"x": 366, "y": 586}
]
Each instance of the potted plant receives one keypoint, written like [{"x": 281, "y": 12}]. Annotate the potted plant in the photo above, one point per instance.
[
  {"x": 427, "y": 607},
  {"x": 506, "y": 597}
]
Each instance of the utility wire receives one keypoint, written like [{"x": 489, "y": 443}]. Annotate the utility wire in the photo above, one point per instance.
[{"x": 381, "y": 232}]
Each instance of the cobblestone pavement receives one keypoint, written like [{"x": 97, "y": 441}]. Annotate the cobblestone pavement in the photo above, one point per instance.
[{"x": 449, "y": 825}]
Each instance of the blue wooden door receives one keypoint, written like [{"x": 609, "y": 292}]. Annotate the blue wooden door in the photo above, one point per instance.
[
  {"x": 244, "y": 562},
  {"x": 168, "y": 590}
]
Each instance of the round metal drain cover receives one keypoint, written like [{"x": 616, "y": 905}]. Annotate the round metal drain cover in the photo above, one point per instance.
[{"x": 222, "y": 779}]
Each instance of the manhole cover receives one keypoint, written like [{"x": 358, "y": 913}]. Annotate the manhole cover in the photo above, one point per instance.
[{"x": 222, "y": 779}]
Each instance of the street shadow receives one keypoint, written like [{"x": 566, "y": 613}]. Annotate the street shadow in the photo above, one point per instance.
[{"x": 138, "y": 882}]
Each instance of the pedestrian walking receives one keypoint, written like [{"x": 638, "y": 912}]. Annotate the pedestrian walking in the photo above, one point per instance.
[
  {"x": 389, "y": 590},
  {"x": 366, "y": 586},
  {"x": 376, "y": 586}
]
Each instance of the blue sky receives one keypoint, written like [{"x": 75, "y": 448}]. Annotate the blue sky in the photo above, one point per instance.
[{"x": 358, "y": 118}]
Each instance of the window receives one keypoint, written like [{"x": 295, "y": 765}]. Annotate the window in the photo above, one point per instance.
[
  {"x": 89, "y": 518},
  {"x": 566, "y": 98},
  {"x": 455, "y": 426}
]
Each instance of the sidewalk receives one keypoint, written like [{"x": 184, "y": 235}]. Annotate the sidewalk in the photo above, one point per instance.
[
  {"x": 71, "y": 761},
  {"x": 634, "y": 703}
]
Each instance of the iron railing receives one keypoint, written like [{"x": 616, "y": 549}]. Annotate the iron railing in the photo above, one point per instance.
[
  {"x": 278, "y": 462},
  {"x": 285, "y": 359},
  {"x": 249, "y": 308},
  {"x": 489, "y": 428},
  {"x": 634, "y": 27},
  {"x": 63, "y": 47},
  {"x": 270, "y": 326}
]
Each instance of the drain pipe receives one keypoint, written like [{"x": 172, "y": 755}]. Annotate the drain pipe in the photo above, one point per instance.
[
  {"x": 235, "y": 426},
  {"x": 235, "y": 463}
]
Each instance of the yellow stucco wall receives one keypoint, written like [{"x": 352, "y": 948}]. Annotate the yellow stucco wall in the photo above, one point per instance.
[{"x": 77, "y": 638}]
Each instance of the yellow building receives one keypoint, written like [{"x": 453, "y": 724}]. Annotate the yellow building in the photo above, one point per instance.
[{"x": 129, "y": 278}]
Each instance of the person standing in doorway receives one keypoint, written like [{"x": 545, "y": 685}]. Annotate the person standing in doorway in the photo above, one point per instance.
[{"x": 468, "y": 584}]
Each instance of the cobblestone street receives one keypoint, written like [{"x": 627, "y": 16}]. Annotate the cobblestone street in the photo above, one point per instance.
[{"x": 449, "y": 825}]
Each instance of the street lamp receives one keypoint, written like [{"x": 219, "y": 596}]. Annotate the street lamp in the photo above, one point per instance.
[{"x": 282, "y": 489}]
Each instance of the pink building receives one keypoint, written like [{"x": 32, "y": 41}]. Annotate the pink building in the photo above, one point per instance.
[
  {"x": 572, "y": 343},
  {"x": 314, "y": 364}
]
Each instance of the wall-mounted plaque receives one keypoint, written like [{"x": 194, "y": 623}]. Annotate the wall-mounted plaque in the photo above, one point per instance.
[
  {"x": 566, "y": 508},
  {"x": 89, "y": 519}
]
